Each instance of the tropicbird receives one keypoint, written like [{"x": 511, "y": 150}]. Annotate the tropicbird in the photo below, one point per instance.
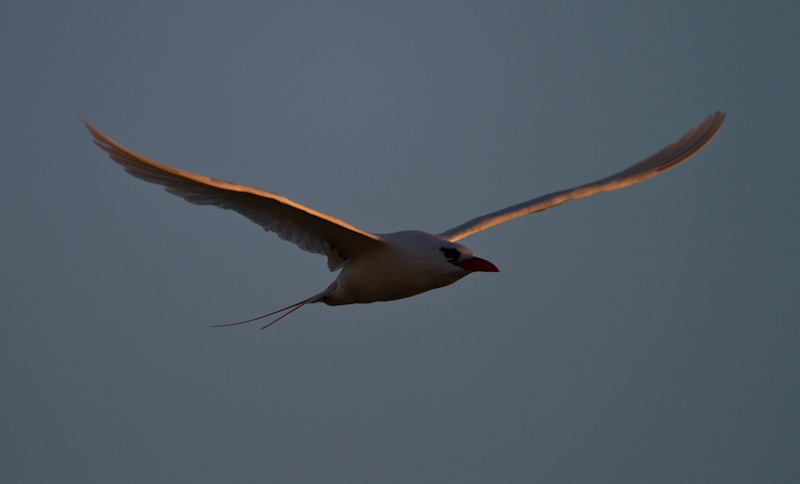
[{"x": 382, "y": 267}]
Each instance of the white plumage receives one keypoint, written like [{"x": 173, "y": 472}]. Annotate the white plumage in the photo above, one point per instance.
[{"x": 382, "y": 267}]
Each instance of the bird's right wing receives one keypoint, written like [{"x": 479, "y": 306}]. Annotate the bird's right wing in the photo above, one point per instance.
[
  {"x": 310, "y": 230},
  {"x": 671, "y": 156}
]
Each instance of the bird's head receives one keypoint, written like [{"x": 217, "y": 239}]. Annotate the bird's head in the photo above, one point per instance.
[
  {"x": 465, "y": 259},
  {"x": 424, "y": 261}
]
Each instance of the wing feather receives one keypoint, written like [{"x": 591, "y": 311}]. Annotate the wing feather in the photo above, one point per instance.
[
  {"x": 309, "y": 229},
  {"x": 669, "y": 157}
]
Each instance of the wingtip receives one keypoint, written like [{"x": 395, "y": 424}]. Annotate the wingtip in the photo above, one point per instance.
[
  {"x": 713, "y": 124},
  {"x": 97, "y": 134},
  {"x": 100, "y": 139},
  {"x": 83, "y": 120},
  {"x": 717, "y": 119}
]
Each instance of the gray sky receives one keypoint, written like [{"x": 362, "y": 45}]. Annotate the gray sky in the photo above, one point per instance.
[{"x": 644, "y": 335}]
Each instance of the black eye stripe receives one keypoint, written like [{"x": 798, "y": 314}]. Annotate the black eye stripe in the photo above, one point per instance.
[{"x": 451, "y": 254}]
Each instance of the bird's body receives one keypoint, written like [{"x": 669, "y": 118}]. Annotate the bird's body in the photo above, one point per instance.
[
  {"x": 410, "y": 262},
  {"x": 382, "y": 267}
]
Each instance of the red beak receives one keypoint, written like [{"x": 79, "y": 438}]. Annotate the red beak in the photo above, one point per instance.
[{"x": 477, "y": 265}]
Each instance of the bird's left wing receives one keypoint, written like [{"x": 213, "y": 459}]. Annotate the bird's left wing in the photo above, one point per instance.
[
  {"x": 671, "y": 156},
  {"x": 310, "y": 230}
]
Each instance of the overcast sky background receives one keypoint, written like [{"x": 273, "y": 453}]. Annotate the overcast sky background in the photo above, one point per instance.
[{"x": 644, "y": 335}]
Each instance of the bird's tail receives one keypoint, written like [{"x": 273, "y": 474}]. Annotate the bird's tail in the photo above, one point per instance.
[{"x": 289, "y": 310}]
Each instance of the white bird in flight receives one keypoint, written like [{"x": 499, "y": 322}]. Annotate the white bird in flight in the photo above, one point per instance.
[{"x": 382, "y": 267}]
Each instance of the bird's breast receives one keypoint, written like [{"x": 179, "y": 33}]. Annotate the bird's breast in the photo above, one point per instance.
[{"x": 386, "y": 276}]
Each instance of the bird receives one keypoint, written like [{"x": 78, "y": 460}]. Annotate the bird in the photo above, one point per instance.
[{"x": 382, "y": 267}]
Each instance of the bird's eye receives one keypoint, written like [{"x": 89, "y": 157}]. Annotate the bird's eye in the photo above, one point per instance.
[{"x": 452, "y": 254}]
